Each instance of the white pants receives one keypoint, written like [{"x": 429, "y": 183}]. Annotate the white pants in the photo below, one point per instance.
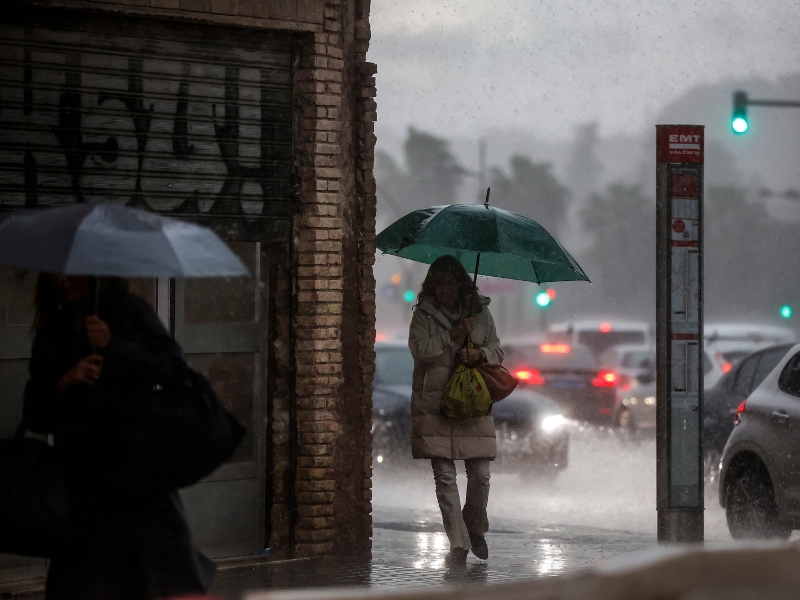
[{"x": 457, "y": 522}]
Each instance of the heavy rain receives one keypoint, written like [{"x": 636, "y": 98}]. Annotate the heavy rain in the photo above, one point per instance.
[{"x": 242, "y": 350}]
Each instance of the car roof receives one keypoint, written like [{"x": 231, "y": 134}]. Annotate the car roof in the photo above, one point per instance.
[
  {"x": 595, "y": 324},
  {"x": 748, "y": 332},
  {"x": 771, "y": 380},
  {"x": 622, "y": 348}
]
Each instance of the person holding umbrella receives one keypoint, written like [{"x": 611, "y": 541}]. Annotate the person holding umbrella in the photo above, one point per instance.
[
  {"x": 497, "y": 243},
  {"x": 130, "y": 421},
  {"x": 441, "y": 321},
  {"x": 83, "y": 366}
]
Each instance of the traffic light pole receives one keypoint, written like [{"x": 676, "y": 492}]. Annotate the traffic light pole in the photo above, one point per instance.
[
  {"x": 776, "y": 103},
  {"x": 741, "y": 102},
  {"x": 679, "y": 332}
]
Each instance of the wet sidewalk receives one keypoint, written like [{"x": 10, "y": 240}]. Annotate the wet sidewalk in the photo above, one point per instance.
[{"x": 409, "y": 553}]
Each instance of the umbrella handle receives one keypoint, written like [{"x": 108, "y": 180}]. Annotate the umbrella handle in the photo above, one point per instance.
[
  {"x": 474, "y": 283},
  {"x": 96, "y": 302},
  {"x": 96, "y": 295}
]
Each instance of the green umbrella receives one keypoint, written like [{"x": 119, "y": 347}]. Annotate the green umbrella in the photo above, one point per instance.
[{"x": 488, "y": 240}]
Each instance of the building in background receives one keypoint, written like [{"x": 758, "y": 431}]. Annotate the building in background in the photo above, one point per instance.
[{"x": 255, "y": 118}]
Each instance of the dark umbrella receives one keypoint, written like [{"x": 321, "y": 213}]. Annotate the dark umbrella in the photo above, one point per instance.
[{"x": 106, "y": 240}]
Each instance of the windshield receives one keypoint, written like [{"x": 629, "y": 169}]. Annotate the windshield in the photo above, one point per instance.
[
  {"x": 578, "y": 357},
  {"x": 638, "y": 360},
  {"x": 393, "y": 366},
  {"x": 599, "y": 341}
]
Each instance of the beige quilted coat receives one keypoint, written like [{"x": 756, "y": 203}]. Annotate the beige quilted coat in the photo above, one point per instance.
[{"x": 432, "y": 434}]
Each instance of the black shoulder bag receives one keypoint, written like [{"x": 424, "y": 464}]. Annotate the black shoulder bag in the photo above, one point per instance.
[
  {"x": 34, "y": 507},
  {"x": 171, "y": 437}
]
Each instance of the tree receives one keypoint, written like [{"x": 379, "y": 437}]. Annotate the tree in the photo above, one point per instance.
[
  {"x": 749, "y": 267},
  {"x": 532, "y": 190},
  {"x": 584, "y": 168},
  {"x": 433, "y": 171},
  {"x": 431, "y": 177},
  {"x": 621, "y": 259}
]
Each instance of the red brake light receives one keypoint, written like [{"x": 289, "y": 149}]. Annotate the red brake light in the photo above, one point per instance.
[
  {"x": 726, "y": 367},
  {"x": 529, "y": 376},
  {"x": 605, "y": 379},
  {"x": 605, "y": 327},
  {"x": 555, "y": 348},
  {"x": 625, "y": 382},
  {"x": 737, "y": 413}
]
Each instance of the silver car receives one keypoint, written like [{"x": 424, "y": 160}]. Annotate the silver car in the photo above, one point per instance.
[{"x": 760, "y": 467}]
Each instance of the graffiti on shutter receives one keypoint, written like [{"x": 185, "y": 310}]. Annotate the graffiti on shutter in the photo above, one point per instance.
[{"x": 148, "y": 114}]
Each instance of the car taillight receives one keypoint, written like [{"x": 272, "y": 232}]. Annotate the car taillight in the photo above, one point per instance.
[
  {"x": 737, "y": 418},
  {"x": 625, "y": 382},
  {"x": 605, "y": 379},
  {"x": 529, "y": 376},
  {"x": 725, "y": 365}
]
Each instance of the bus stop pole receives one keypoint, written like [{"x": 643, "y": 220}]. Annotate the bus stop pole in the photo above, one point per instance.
[{"x": 679, "y": 332}]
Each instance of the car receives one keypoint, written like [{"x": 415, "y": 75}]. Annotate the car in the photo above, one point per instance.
[
  {"x": 532, "y": 432},
  {"x": 635, "y": 409},
  {"x": 713, "y": 368},
  {"x": 759, "y": 485},
  {"x": 628, "y": 361},
  {"x": 567, "y": 373},
  {"x": 599, "y": 335},
  {"x": 728, "y": 343},
  {"x": 720, "y": 401}
]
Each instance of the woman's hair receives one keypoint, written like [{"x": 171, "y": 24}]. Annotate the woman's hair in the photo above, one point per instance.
[
  {"x": 467, "y": 291},
  {"x": 48, "y": 302}
]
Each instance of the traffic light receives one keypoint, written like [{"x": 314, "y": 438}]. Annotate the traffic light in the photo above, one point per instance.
[
  {"x": 409, "y": 296},
  {"x": 542, "y": 299},
  {"x": 739, "y": 121},
  {"x": 786, "y": 311}
]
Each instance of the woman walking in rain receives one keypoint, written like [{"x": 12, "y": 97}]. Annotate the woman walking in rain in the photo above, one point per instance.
[
  {"x": 439, "y": 326},
  {"x": 129, "y": 543}
]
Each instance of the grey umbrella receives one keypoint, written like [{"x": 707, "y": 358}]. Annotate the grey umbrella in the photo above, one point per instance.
[{"x": 106, "y": 240}]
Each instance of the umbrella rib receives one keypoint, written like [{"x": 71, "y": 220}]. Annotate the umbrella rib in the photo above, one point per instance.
[
  {"x": 535, "y": 274},
  {"x": 178, "y": 260}
]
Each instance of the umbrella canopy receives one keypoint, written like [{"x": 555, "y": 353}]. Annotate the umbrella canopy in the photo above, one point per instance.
[
  {"x": 508, "y": 245},
  {"x": 106, "y": 240}
]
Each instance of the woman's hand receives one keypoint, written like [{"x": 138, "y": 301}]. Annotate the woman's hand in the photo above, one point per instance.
[
  {"x": 462, "y": 329},
  {"x": 86, "y": 371},
  {"x": 97, "y": 332},
  {"x": 470, "y": 356}
]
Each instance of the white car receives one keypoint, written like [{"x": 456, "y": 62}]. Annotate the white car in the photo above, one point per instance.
[
  {"x": 635, "y": 408},
  {"x": 628, "y": 360},
  {"x": 760, "y": 466},
  {"x": 600, "y": 335}
]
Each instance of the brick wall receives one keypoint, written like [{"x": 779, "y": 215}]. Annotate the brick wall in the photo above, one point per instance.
[{"x": 335, "y": 234}]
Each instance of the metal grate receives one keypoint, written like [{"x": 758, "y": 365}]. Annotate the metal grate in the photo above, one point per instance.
[{"x": 193, "y": 119}]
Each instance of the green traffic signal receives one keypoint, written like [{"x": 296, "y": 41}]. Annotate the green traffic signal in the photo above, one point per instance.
[
  {"x": 739, "y": 121},
  {"x": 542, "y": 299},
  {"x": 786, "y": 311},
  {"x": 409, "y": 296}
]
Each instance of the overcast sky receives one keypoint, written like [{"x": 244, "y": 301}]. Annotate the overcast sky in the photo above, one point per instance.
[{"x": 461, "y": 67}]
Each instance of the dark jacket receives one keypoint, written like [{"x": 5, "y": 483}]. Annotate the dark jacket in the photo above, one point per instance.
[{"x": 129, "y": 543}]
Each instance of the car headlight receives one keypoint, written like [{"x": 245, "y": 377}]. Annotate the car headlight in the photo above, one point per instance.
[{"x": 552, "y": 423}]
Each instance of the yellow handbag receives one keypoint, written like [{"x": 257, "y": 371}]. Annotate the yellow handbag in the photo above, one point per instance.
[{"x": 465, "y": 394}]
